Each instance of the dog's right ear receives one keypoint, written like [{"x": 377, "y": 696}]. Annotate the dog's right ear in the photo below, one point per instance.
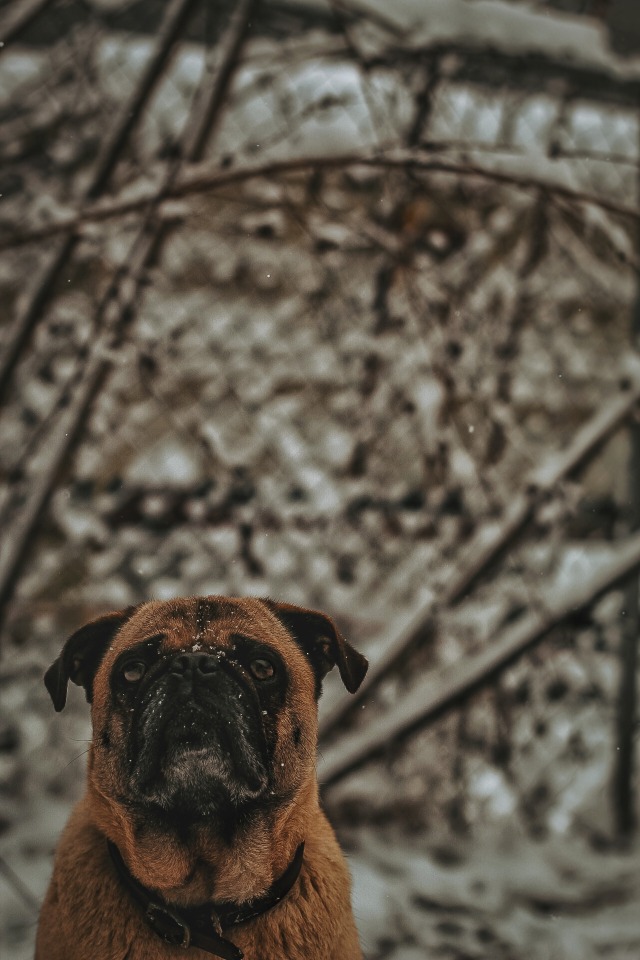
[{"x": 81, "y": 656}]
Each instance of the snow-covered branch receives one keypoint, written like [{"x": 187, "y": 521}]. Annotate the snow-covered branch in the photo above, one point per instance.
[
  {"x": 447, "y": 688},
  {"x": 491, "y": 541}
]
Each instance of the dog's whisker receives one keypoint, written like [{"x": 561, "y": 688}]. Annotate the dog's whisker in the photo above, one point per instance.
[{"x": 83, "y": 754}]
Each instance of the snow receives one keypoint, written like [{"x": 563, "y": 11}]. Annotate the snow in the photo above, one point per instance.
[
  {"x": 119, "y": 61},
  {"x": 460, "y": 114},
  {"x": 19, "y": 70},
  {"x": 490, "y": 785},
  {"x": 318, "y": 107},
  {"x": 168, "y": 462},
  {"x": 371, "y": 900},
  {"x": 610, "y": 132},
  {"x": 515, "y": 28},
  {"x": 405, "y": 893},
  {"x": 580, "y": 561}
]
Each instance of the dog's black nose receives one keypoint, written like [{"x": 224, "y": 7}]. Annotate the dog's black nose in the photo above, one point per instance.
[{"x": 194, "y": 663}]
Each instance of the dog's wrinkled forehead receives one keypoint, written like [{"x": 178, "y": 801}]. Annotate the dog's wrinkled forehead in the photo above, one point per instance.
[{"x": 188, "y": 622}]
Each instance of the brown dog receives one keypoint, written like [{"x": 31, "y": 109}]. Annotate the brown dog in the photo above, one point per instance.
[{"x": 201, "y": 824}]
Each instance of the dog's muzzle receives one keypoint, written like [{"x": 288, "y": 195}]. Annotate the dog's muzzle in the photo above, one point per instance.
[{"x": 199, "y": 728}]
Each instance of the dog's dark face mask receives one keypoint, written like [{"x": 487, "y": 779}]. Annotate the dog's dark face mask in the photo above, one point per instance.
[
  {"x": 202, "y": 707},
  {"x": 197, "y": 722}
]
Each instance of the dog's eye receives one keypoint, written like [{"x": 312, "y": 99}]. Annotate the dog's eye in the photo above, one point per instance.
[
  {"x": 262, "y": 669},
  {"x": 134, "y": 671}
]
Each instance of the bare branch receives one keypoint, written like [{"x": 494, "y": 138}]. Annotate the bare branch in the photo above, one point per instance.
[
  {"x": 447, "y": 688},
  {"x": 553, "y": 178}
]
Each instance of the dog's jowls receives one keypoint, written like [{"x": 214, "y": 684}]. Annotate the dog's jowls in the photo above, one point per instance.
[{"x": 202, "y": 774}]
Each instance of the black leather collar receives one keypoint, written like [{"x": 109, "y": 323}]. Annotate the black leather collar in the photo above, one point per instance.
[{"x": 202, "y": 926}]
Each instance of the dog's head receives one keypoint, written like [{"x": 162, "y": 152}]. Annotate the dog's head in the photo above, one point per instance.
[{"x": 203, "y": 707}]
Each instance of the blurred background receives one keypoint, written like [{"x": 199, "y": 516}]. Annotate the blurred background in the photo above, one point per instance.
[{"x": 336, "y": 301}]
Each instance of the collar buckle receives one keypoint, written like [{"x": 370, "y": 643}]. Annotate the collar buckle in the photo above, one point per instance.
[{"x": 168, "y": 925}]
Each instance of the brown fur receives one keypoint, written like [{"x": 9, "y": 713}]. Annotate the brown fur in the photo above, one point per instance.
[{"x": 88, "y": 913}]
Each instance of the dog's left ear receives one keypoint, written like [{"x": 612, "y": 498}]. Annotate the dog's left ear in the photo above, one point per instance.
[
  {"x": 81, "y": 656},
  {"x": 323, "y": 643}
]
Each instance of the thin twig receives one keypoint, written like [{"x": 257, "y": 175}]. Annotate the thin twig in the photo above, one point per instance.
[
  {"x": 491, "y": 541},
  {"x": 448, "y": 687}
]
